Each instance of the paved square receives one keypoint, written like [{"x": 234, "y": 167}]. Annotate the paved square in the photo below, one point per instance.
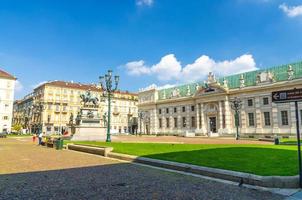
[{"x": 28, "y": 171}]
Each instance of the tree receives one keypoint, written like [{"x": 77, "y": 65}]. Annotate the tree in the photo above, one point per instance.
[{"x": 17, "y": 128}]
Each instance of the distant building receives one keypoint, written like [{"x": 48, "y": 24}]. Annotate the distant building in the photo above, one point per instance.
[
  {"x": 7, "y": 86},
  {"x": 22, "y": 112},
  {"x": 204, "y": 108},
  {"x": 51, "y": 104}
]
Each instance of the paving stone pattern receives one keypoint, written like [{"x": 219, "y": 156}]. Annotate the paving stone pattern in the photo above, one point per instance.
[{"x": 28, "y": 171}]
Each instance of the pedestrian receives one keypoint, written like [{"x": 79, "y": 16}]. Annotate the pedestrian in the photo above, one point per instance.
[
  {"x": 40, "y": 138},
  {"x": 34, "y": 137}
]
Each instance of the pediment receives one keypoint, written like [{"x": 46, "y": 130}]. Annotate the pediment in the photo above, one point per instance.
[{"x": 214, "y": 88}]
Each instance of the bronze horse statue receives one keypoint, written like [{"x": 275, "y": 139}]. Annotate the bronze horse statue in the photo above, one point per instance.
[{"x": 89, "y": 99}]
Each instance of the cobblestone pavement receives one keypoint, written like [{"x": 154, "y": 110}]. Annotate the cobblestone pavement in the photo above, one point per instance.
[
  {"x": 28, "y": 171},
  {"x": 185, "y": 140}
]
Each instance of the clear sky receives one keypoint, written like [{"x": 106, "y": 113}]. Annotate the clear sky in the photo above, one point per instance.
[{"x": 145, "y": 41}]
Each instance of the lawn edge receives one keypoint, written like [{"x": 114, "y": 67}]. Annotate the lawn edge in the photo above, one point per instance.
[{"x": 240, "y": 177}]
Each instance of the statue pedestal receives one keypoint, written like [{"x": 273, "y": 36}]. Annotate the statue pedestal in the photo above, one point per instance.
[
  {"x": 88, "y": 126},
  {"x": 86, "y": 133}
]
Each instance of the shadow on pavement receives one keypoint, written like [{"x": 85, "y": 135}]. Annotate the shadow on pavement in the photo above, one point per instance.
[{"x": 118, "y": 181}]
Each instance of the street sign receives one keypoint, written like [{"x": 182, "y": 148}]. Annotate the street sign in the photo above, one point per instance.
[
  {"x": 294, "y": 95},
  {"x": 287, "y": 95}
]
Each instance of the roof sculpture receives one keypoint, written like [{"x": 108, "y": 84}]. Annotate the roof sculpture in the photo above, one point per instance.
[{"x": 252, "y": 78}]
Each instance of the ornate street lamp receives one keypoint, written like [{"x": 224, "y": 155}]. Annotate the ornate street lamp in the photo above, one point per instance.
[
  {"x": 236, "y": 106},
  {"x": 141, "y": 116},
  {"x": 106, "y": 83}
]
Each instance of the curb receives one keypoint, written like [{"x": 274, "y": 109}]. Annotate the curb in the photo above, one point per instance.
[
  {"x": 240, "y": 177},
  {"x": 103, "y": 151}
]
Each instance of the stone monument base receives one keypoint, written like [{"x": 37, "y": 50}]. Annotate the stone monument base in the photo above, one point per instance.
[{"x": 89, "y": 133}]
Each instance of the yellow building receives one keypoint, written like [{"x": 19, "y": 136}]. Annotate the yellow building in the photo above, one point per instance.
[{"x": 54, "y": 102}]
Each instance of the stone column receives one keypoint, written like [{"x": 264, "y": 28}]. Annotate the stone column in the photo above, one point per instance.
[
  {"x": 242, "y": 116},
  {"x": 258, "y": 120},
  {"x": 197, "y": 116},
  {"x": 292, "y": 118},
  {"x": 275, "y": 121},
  {"x": 203, "y": 124},
  {"x": 154, "y": 121},
  {"x": 188, "y": 118},
  {"x": 228, "y": 115},
  {"x": 220, "y": 116}
]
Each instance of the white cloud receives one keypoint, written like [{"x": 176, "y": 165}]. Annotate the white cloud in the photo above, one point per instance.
[
  {"x": 144, "y": 2},
  {"x": 291, "y": 11},
  {"x": 170, "y": 69},
  {"x": 199, "y": 69},
  {"x": 137, "y": 68},
  {"x": 154, "y": 86},
  {"x": 18, "y": 86}
]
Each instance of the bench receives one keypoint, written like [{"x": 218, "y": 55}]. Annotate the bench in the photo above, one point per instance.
[{"x": 267, "y": 139}]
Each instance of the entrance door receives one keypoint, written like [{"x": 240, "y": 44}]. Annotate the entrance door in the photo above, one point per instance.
[{"x": 213, "y": 127}]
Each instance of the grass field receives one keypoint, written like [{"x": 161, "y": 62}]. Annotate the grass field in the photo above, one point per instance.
[
  {"x": 263, "y": 160},
  {"x": 291, "y": 141},
  {"x": 19, "y": 135}
]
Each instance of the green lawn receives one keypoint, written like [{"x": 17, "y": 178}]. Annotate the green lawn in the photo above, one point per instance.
[
  {"x": 257, "y": 159},
  {"x": 290, "y": 141},
  {"x": 19, "y": 135}
]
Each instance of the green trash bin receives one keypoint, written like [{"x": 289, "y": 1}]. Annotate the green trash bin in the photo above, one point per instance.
[{"x": 59, "y": 144}]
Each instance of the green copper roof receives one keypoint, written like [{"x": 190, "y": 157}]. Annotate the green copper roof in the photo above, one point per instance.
[{"x": 280, "y": 74}]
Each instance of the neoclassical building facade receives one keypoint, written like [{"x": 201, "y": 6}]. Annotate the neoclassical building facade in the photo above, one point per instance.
[
  {"x": 51, "y": 104},
  {"x": 205, "y": 108}
]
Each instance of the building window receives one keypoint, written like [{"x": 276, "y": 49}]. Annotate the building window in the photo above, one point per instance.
[
  {"x": 184, "y": 122},
  {"x": 192, "y": 108},
  {"x": 193, "y": 122},
  {"x": 167, "y": 110},
  {"x": 265, "y": 101},
  {"x": 267, "y": 118},
  {"x": 159, "y": 111},
  {"x": 251, "y": 119},
  {"x": 284, "y": 117},
  {"x": 250, "y": 102},
  {"x": 5, "y": 117},
  {"x": 160, "y": 122},
  {"x": 168, "y": 122},
  {"x": 175, "y": 122},
  {"x": 183, "y": 109},
  {"x": 175, "y": 110}
]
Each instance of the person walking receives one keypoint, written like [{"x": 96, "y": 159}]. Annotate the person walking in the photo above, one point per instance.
[
  {"x": 34, "y": 138},
  {"x": 40, "y": 138}
]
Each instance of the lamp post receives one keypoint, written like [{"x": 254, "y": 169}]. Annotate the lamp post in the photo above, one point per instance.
[
  {"x": 106, "y": 83},
  {"x": 236, "y": 106},
  {"x": 141, "y": 117}
]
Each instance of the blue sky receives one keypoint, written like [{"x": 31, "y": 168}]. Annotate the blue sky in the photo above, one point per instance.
[{"x": 145, "y": 41}]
